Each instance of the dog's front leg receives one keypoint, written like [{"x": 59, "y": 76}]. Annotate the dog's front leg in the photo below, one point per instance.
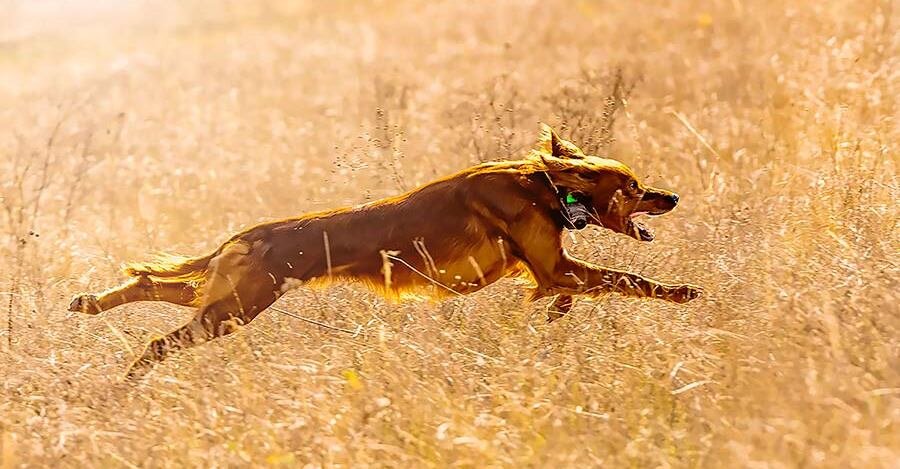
[
  {"x": 539, "y": 247},
  {"x": 573, "y": 277}
]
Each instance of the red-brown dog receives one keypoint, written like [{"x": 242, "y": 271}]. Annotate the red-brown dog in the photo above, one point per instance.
[{"x": 454, "y": 235}]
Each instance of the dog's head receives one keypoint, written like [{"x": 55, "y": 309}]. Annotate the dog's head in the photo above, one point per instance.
[{"x": 609, "y": 188}]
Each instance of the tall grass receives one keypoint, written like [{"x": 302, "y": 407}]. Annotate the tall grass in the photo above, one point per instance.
[{"x": 131, "y": 127}]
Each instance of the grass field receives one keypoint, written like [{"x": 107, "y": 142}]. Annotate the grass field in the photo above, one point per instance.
[{"x": 133, "y": 127}]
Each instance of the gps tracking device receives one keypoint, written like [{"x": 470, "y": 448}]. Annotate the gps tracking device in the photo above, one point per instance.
[{"x": 574, "y": 213}]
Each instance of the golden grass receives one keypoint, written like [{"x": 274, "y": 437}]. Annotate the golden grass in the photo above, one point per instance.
[{"x": 130, "y": 127}]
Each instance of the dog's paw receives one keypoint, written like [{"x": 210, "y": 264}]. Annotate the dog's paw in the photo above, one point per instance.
[
  {"x": 685, "y": 293},
  {"x": 553, "y": 315},
  {"x": 153, "y": 353},
  {"x": 85, "y": 303},
  {"x": 559, "y": 307},
  {"x": 137, "y": 370},
  {"x": 142, "y": 365}
]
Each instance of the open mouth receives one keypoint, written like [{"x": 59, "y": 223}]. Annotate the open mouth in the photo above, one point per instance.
[{"x": 637, "y": 229}]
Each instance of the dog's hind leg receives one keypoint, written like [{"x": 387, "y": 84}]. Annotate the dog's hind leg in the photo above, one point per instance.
[
  {"x": 215, "y": 320},
  {"x": 236, "y": 292},
  {"x": 142, "y": 288}
]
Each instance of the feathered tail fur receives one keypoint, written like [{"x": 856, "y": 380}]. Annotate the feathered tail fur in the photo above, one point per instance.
[{"x": 171, "y": 267}]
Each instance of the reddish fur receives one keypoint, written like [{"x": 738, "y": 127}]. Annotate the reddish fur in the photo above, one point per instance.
[{"x": 460, "y": 233}]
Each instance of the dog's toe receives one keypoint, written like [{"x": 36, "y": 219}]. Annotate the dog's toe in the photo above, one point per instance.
[
  {"x": 136, "y": 371},
  {"x": 689, "y": 293},
  {"x": 142, "y": 365},
  {"x": 85, "y": 303}
]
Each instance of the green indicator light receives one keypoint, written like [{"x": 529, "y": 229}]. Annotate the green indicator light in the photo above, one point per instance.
[{"x": 570, "y": 198}]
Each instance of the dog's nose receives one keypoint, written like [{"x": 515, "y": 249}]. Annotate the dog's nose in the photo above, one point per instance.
[{"x": 674, "y": 198}]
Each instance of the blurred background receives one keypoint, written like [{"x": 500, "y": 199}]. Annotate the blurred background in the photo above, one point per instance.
[{"x": 129, "y": 127}]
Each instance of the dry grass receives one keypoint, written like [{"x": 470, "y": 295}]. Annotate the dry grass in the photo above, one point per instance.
[{"x": 129, "y": 127}]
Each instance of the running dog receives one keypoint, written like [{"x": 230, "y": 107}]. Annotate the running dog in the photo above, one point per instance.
[{"x": 453, "y": 236}]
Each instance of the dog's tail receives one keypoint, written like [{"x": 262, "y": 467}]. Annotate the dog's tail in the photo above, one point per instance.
[{"x": 170, "y": 266}]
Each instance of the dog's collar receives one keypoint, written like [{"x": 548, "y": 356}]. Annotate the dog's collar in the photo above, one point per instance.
[
  {"x": 564, "y": 211},
  {"x": 573, "y": 213}
]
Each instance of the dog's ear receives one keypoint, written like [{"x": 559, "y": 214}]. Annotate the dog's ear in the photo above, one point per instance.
[{"x": 551, "y": 144}]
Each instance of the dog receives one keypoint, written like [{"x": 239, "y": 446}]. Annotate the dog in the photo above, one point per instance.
[{"x": 453, "y": 236}]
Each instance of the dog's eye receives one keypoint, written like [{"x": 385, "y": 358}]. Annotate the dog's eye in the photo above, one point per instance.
[{"x": 633, "y": 185}]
